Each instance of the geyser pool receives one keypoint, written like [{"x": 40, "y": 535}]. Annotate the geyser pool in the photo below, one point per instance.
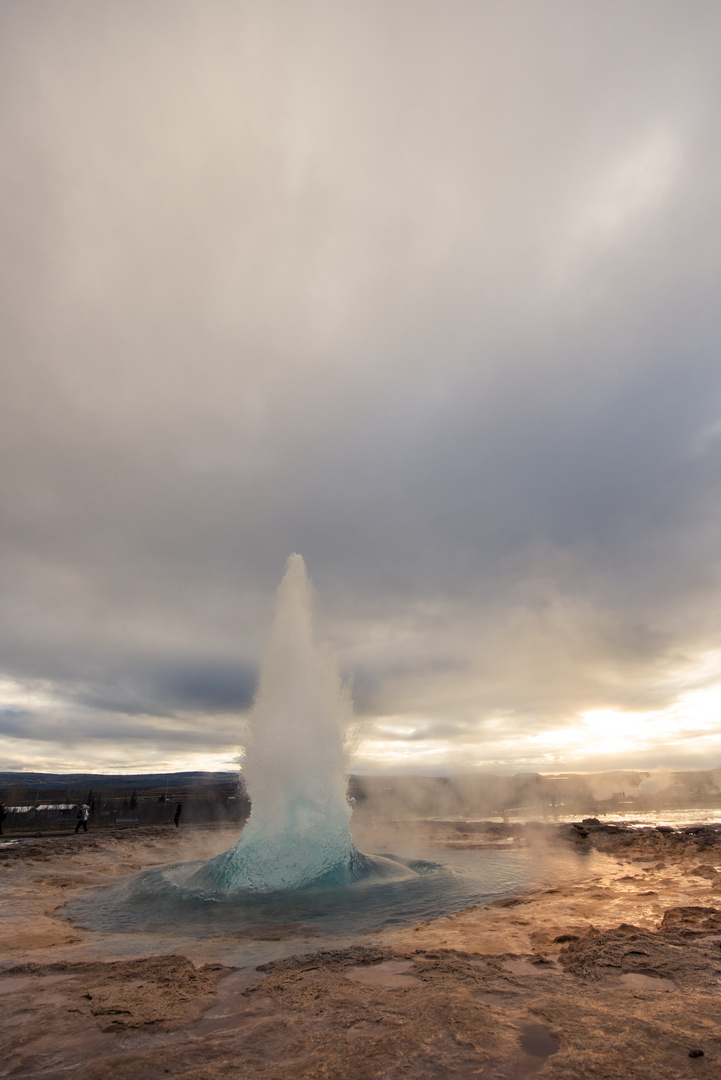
[{"x": 161, "y": 907}]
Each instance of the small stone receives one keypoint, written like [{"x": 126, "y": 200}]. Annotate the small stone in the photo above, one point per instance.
[
  {"x": 704, "y": 871},
  {"x": 695, "y": 1053}
]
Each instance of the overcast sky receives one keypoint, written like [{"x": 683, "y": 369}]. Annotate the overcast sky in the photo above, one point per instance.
[{"x": 425, "y": 291}]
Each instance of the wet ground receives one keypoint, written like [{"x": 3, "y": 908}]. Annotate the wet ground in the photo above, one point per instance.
[{"x": 616, "y": 976}]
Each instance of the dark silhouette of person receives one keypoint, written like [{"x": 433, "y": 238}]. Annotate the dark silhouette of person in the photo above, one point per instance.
[
  {"x": 176, "y": 815},
  {"x": 3, "y": 815},
  {"x": 83, "y": 816}
]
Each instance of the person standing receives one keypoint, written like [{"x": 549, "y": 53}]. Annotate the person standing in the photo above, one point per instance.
[
  {"x": 176, "y": 815},
  {"x": 3, "y": 815},
  {"x": 83, "y": 816}
]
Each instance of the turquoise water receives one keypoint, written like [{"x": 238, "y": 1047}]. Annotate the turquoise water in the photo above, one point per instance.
[
  {"x": 393, "y": 892},
  {"x": 295, "y": 766}
]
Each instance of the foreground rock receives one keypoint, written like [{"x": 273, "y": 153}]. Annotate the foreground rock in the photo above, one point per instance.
[{"x": 619, "y": 977}]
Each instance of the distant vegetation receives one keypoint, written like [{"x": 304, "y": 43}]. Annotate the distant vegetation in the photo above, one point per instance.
[{"x": 45, "y": 802}]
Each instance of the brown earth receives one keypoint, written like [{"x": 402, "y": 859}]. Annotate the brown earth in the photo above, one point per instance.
[{"x": 615, "y": 977}]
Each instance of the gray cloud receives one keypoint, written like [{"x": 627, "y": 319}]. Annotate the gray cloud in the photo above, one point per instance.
[{"x": 425, "y": 292}]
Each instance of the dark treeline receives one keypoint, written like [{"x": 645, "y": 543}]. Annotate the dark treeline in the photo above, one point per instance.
[{"x": 41, "y": 802}]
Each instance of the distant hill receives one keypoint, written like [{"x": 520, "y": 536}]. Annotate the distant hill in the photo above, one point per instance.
[{"x": 45, "y": 783}]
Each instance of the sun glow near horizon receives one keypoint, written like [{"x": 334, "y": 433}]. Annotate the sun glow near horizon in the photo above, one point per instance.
[
  {"x": 692, "y": 719},
  {"x": 688, "y": 727}
]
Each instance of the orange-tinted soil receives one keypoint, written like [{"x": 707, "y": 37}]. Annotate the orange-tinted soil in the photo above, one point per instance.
[{"x": 617, "y": 977}]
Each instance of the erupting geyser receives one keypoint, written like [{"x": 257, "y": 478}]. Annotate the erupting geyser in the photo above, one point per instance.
[
  {"x": 298, "y": 833},
  {"x": 295, "y": 865}
]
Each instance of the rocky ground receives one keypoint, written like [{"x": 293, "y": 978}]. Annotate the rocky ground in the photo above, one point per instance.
[{"x": 616, "y": 977}]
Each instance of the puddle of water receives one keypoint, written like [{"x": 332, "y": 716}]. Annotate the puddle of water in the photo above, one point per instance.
[
  {"x": 634, "y": 980},
  {"x": 537, "y": 1041},
  {"x": 239, "y": 981},
  {"x": 11, "y": 984},
  {"x": 526, "y": 967},
  {"x": 391, "y": 974}
]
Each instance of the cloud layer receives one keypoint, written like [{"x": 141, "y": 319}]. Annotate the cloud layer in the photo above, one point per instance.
[{"x": 426, "y": 292}]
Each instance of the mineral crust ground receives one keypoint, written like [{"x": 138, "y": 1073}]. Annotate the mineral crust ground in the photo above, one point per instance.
[{"x": 615, "y": 977}]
